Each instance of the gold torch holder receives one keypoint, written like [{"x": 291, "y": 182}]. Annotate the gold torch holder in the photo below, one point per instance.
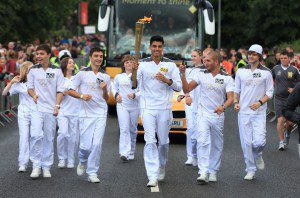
[{"x": 139, "y": 29}]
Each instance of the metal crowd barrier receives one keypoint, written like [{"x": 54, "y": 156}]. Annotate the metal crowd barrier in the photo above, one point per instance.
[{"x": 8, "y": 106}]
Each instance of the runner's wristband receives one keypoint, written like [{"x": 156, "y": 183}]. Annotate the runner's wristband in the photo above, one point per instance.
[
  {"x": 261, "y": 103},
  {"x": 81, "y": 96}
]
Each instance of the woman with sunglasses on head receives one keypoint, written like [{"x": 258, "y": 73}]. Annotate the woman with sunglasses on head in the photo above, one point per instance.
[
  {"x": 68, "y": 136},
  {"x": 26, "y": 106},
  {"x": 127, "y": 109}
]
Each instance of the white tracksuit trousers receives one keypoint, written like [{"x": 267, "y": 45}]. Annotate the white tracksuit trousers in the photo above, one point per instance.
[
  {"x": 43, "y": 128},
  {"x": 209, "y": 142},
  {"x": 156, "y": 121},
  {"x": 91, "y": 136},
  {"x": 128, "y": 120},
  {"x": 24, "y": 120},
  {"x": 67, "y": 138},
  {"x": 191, "y": 127},
  {"x": 252, "y": 130}
]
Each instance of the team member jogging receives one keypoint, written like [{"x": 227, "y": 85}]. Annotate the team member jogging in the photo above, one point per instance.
[
  {"x": 93, "y": 113},
  {"x": 216, "y": 94},
  {"x": 45, "y": 86},
  {"x": 158, "y": 78},
  {"x": 253, "y": 88},
  {"x": 68, "y": 135},
  {"x": 18, "y": 85},
  {"x": 127, "y": 109}
]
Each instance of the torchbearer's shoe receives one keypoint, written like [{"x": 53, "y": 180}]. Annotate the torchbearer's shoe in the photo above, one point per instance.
[
  {"x": 152, "y": 183},
  {"x": 70, "y": 165},
  {"x": 36, "y": 171},
  {"x": 22, "y": 169},
  {"x": 162, "y": 173},
  {"x": 260, "y": 164},
  {"x": 203, "y": 179},
  {"x": 81, "y": 169},
  {"x": 46, "y": 173},
  {"x": 212, "y": 177},
  {"x": 61, "y": 164},
  {"x": 189, "y": 161},
  {"x": 130, "y": 157},
  {"x": 250, "y": 176},
  {"x": 195, "y": 161},
  {"x": 93, "y": 179},
  {"x": 124, "y": 159}
]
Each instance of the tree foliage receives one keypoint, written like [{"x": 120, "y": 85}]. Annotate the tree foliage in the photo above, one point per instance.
[
  {"x": 27, "y": 20},
  {"x": 268, "y": 22}
]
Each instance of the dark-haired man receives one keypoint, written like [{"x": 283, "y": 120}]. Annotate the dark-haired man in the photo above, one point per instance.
[
  {"x": 45, "y": 86},
  {"x": 94, "y": 81},
  {"x": 286, "y": 77},
  {"x": 253, "y": 88},
  {"x": 158, "y": 78}
]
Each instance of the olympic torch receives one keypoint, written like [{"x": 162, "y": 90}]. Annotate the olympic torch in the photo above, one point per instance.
[{"x": 139, "y": 29}]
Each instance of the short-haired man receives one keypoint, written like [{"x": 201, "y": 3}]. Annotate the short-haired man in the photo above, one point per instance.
[
  {"x": 94, "y": 81},
  {"x": 157, "y": 77},
  {"x": 216, "y": 94},
  {"x": 45, "y": 86},
  {"x": 253, "y": 88},
  {"x": 286, "y": 77}
]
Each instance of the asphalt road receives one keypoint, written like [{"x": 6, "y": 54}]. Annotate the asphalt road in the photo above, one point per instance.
[{"x": 279, "y": 179}]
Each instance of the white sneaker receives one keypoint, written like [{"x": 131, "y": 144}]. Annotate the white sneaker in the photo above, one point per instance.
[
  {"x": 162, "y": 174},
  {"x": 250, "y": 176},
  {"x": 130, "y": 157},
  {"x": 61, "y": 164},
  {"x": 22, "y": 169},
  {"x": 35, "y": 173},
  {"x": 189, "y": 161},
  {"x": 203, "y": 179},
  {"x": 195, "y": 161},
  {"x": 152, "y": 183},
  {"x": 70, "y": 165},
  {"x": 212, "y": 177},
  {"x": 260, "y": 164},
  {"x": 281, "y": 146},
  {"x": 81, "y": 169},
  {"x": 124, "y": 159},
  {"x": 46, "y": 173},
  {"x": 93, "y": 179}
]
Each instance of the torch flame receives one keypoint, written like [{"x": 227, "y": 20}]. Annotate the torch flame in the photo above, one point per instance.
[{"x": 145, "y": 19}]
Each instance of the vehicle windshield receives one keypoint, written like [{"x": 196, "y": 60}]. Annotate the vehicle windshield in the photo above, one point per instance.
[{"x": 171, "y": 19}]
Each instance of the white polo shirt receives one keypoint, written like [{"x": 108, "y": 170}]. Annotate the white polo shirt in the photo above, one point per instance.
[
  {"x": 252, "y": 87},
  {"x": 89, "y": 83},
  {"x": 46, "y": 84},
  {"x": 25, "y": 100},
  {"x": 155, "y": 94},
  {"x": 212, "y": 91},
  {"x": 194, "y": 94},
  {"x": 69, "y": 105},
  {"x": 123, "y": 86}
]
